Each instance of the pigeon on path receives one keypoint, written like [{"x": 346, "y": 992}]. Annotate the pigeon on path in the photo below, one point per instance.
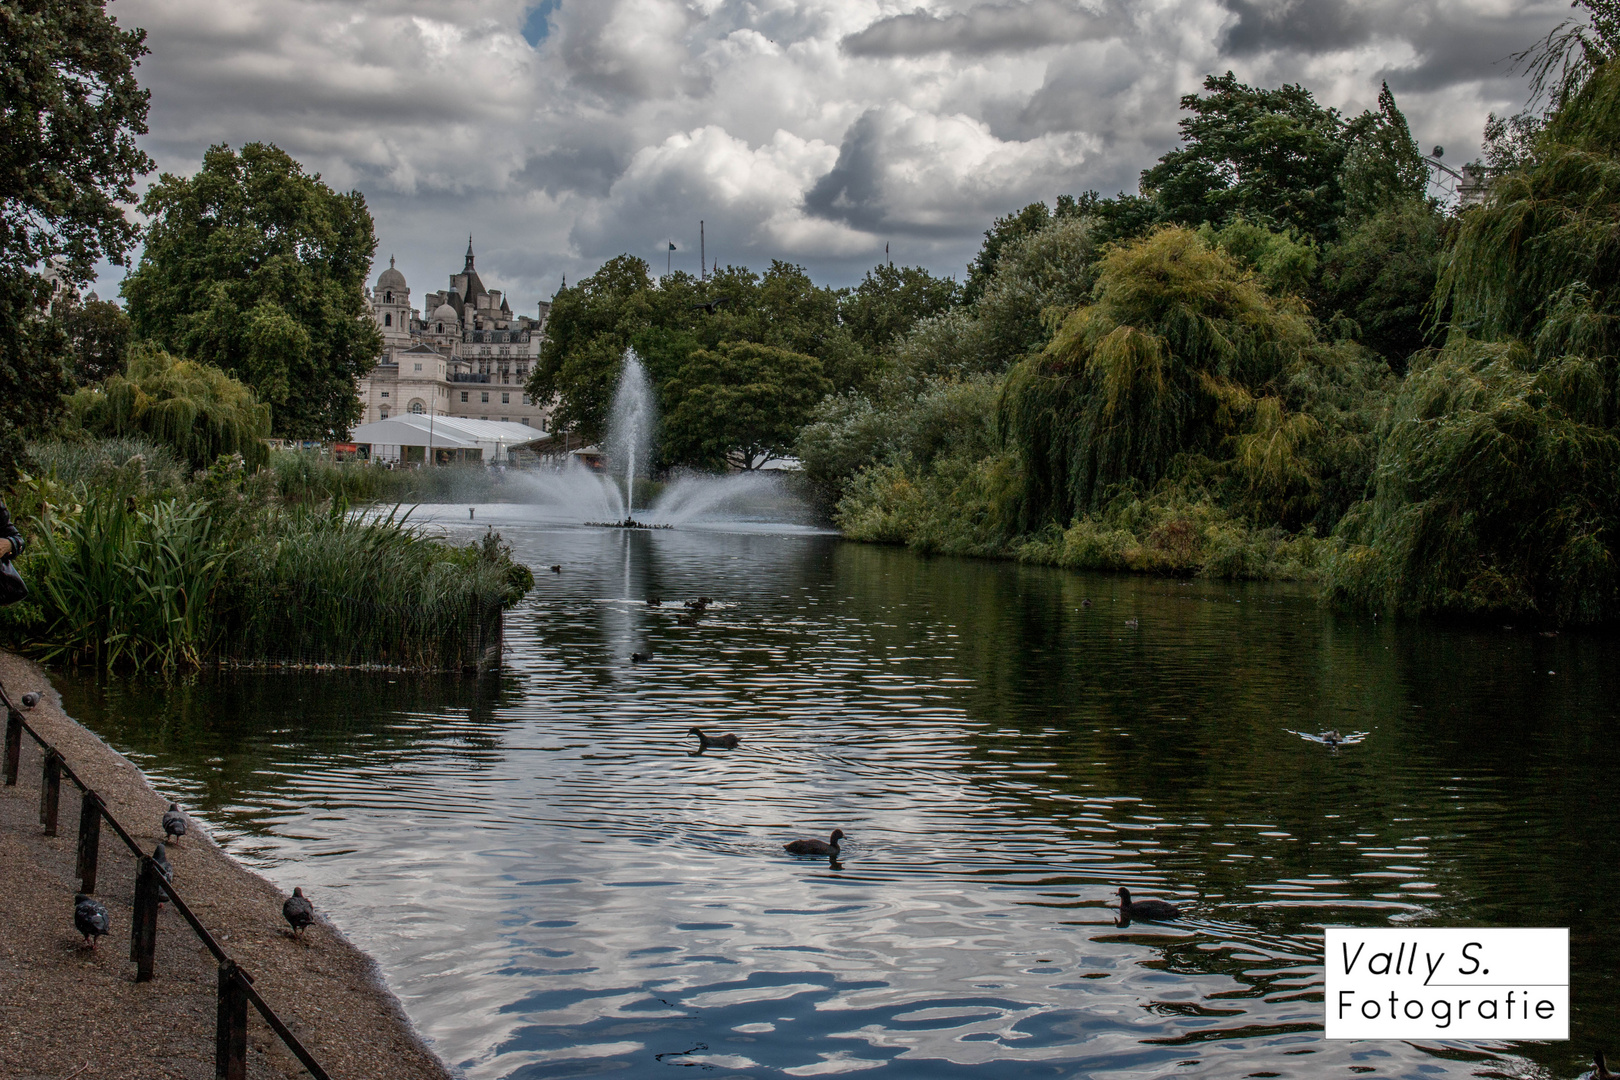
[
  {"x": 30, "y": 699},
  {"x": 90, "y": 919},
  {"x": 174, "y": 822},
  {"x": 298, "y": 911}
]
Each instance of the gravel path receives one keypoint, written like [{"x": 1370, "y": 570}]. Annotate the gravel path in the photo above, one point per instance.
[{"x": 70, "y": 1012}]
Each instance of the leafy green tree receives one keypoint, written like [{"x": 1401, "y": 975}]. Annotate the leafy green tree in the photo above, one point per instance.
[
  {"x": 889, "y": 302},
  {"x": 742, "y": 404},
  {"x": 1278, "y": 158},
  {"x": 1169, "y": 358},
  {"x": 98, "y": 335},
  {"x": 1381, "y": 276},
  {"x": 194, "y": 407},
  {"x": 259, "y": 269},
  {"x": 590, "y": 326},
  {"x": 620, "y": 306},
  {"x": 70, "y": 110},
  {"x": 1026, "y": 222},
  {"x": 1270, "y": 155}
]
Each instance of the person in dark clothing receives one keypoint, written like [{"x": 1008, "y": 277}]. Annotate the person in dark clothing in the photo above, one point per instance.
[{"x": 11, "y": 541}]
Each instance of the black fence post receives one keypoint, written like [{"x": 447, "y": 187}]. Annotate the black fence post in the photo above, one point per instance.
[
  {"x": 143, "y": 927},
  {"x": 50, "y": 791},
  {"x": 230, "y": 1036},
  {"x": 13, "y": 745},
  {"x": 89, "y": 841}
]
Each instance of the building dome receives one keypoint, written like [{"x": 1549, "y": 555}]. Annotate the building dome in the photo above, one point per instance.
[
  {"x": 391, "y": 278},
  {"x": 445, "y": 313}
]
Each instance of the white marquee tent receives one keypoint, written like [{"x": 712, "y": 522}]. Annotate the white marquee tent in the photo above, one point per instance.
[{"x": 407, "y": 437}]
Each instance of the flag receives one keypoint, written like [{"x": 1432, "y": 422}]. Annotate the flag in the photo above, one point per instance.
[{"x": 672, "y": 245}]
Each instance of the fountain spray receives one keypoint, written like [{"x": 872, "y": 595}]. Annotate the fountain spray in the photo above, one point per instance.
[{"x": 630, "y": 429}]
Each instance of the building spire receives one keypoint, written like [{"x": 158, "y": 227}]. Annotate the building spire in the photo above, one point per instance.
[
  {"x": 469, "y": 267},
  {"x": 390, "y": 262}
]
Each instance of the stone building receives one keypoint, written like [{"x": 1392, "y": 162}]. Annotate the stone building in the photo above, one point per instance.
[{"x": 464, "y": 353}]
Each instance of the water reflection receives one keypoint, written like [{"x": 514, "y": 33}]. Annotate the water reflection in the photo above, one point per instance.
[{"x": 557, "y": 885}]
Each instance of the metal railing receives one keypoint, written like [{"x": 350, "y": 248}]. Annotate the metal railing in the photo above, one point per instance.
[{"x": 151, "y": 887}]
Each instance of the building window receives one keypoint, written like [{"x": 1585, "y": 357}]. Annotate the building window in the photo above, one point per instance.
[
  {"x": 385, "y": 413},
  {"x": 418, "y": 367},
  {"x": 525, "y": 399},
  {"x": 385, "y": 393},
  {"x": 486, "y": 396},
  {"x": 440, "y": 329},
  {"x": 388, "y": 320},
  {"x": 418, "y": 408},
  {"x": 505, "y": 420},
  {"x": 388, "y": 297},
  {"x": 506, "y": 399},
  {"x": 525, "y": 421},
  {"x": 464, "y": 395}
]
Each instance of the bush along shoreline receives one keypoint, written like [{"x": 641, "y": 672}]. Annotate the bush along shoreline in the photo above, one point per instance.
[{"x": 135, "y": 566}]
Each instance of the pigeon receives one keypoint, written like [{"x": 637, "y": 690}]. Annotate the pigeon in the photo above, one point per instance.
[
  {"x": 556, "y": 568},
  {"x": 816, "y": 847},
  {"x": 30, "y": 699},
  {"x": 174, "y": 822},
  {"x": 160, "y": 859},
  {"x": 298, "y": 911},
  {"x": 90, "y": 919}
]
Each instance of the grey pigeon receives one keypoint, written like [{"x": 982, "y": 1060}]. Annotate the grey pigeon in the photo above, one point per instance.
[
  {"x": 160, "y": 859},
  {"x": 30, "y": 699},
  {"x": 174, "y": 822},
  {"x": 298, "y": 911},
  {"x": 90, "y": 919}
]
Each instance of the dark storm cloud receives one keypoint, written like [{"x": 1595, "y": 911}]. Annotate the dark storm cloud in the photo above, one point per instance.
[
  {"x": 852, "y": 191},
  {"x": 1310, "y": 26},
  {"x": 981, "y": 30}
]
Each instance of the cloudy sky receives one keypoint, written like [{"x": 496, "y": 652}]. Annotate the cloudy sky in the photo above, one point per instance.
[{"x": 560, "y": 133}]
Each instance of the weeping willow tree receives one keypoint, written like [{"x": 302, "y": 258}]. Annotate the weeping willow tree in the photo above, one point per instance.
[
  {"x": 194, "y": 407},
  {"x": 1181, "y": 351},
  {"x": 1497, "y": 477}
]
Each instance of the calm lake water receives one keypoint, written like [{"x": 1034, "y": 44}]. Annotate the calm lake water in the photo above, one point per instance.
[{"x": 555, "y": 886}]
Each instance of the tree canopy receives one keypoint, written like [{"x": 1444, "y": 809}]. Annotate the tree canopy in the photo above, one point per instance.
[
  {"x": 259, "y": 269},
  {"x": 194, "y": 407},
  {"x": 741, "y": 404},
  {"x": 70, "y": 110}
]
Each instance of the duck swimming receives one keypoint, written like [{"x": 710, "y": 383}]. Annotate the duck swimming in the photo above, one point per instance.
[
  {"x": 815, "y": 847},
  {"x": 1332, "y": 738},
  {"x": 727, "y": 741},
  {"x": 1152, "y": 910}
]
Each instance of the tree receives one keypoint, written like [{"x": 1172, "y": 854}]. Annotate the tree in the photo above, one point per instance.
[
  {"x": 194, "y": 407},
  {"x": 889, "y": 302},
  {"x": 70, "y": 110},
  {"x": 742, "y": 404},
  {"x": 259, "y": 269},
  {"x": 1381, "y": 276},
  {"x": 98, "y": 335}
]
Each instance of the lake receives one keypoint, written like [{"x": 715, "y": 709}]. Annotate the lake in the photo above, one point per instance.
[{"x": 555, "y": 884}]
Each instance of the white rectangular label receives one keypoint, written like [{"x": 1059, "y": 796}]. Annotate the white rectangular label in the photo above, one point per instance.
[{"x": 1423, "y": 983}]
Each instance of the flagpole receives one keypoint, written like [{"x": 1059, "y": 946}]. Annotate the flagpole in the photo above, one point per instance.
[{"x": 703, "y": 265}]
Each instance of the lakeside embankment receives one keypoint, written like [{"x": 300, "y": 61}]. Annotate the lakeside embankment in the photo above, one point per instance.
[{"x": 67, "y": 1011}]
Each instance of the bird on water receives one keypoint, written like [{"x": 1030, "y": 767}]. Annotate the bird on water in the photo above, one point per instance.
[
  {"x": 1145, "y": 909},
  {"x": 1130, "y": 624},
  {"x": 815, "y": 847},
  {"x": 556, "y": 568},
  {"x": 90, "y": 919},
  {"x": 640, "y": 657},
  {"x": 298, "y": 911},
  {"x": 728, "y": 741},
  {"x": 1332, "y": 738},
  {"x": 174, "y": 822}
]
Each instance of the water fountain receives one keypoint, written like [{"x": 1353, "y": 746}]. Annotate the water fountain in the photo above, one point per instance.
[
  {"x": 578, "y": 494},
  {"x": 629, "y": 438}
]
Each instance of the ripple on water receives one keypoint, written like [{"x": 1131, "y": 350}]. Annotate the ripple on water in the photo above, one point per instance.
[{"x": 556, "y": 885}]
